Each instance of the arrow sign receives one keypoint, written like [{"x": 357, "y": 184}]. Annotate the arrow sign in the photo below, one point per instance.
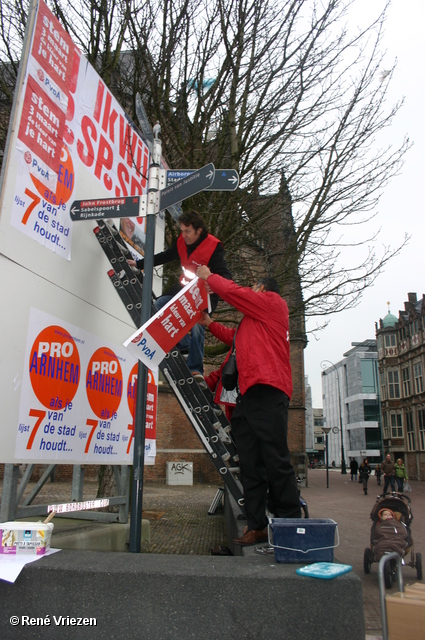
[
  {"x": 128, "y": 207},
  {"x": 224, "y": 179},
  {"x": 186, "y": 187}
]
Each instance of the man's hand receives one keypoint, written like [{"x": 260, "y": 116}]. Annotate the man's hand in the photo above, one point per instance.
[
  {"x": 205, "y": 320},
  {"x": 132, "y": 263},
  {"x": 203, "y": 272}
]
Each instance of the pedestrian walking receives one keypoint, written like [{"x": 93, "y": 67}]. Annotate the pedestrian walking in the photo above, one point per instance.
[
  {"x": 388, "y": 469},
  {"x": 400, "y": 474},
  {"x": 354, "y": 467},
  {"x": 378, "y": 474},
  {"x": 364, "y": 472}
]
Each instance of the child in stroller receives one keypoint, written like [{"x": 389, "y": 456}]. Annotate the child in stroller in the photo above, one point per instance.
[
  {"x": 390, "y": 531},
  {"x": 390, "y": 534}
]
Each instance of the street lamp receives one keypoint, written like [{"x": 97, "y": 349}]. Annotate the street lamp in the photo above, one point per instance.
[
  {"x": 323, "y": 365},
  {"x": 326, "y": 431}
]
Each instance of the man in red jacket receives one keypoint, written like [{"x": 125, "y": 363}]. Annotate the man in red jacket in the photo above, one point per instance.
[
  {"x": 194, "y": 247},
  {"x": 260, "y": 418}
]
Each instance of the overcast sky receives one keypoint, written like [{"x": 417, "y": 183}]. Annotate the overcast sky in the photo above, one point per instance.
[{"x": 401, "y": 208}]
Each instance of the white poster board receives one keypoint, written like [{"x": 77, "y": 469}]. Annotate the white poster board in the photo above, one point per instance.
[
  {"x": 77, "y": 399},
  {"x": 69, "y": 139}
]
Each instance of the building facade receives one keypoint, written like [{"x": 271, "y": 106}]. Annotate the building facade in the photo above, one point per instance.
[
  {"x": 350, "y": 391},
  {"x": 401, "y": 361}
]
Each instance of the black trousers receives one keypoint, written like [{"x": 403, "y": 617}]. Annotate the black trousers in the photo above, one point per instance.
[{"x": 260, "y": 427}]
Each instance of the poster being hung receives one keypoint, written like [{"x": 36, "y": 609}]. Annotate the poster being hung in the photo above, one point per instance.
[
  {"x": 166, "y": 328},
  {"x": 78, "y": 395},
  {"x": 73, "y": 139}
]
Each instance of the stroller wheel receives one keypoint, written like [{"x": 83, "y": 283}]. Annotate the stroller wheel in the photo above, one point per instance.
[
  {"x": 418, "y": 565},
  {"x": 388, "y": 575},
  {"x": 367, "y": 559}
]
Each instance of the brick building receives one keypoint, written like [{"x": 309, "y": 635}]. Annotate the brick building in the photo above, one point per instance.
[{"x": 401, "y": 361}]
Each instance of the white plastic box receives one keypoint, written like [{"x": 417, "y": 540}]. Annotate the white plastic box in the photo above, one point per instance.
[{"x": 32, "y": 538}]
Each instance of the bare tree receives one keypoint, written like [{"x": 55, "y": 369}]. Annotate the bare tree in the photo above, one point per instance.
[
  {"x": 283, "y": 93},
  {"x": 280, "y": 91}
]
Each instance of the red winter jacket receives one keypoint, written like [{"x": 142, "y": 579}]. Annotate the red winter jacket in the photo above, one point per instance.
[
  {"x": 262, "y": 340},
  {"x": 201, "y": 255}
]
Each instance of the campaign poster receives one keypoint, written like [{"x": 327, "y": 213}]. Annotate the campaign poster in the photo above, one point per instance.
[
  {"x": 165, "y": 329},
  {"x": 73, "y": 140},
  {"x": 77, "y": 399}
]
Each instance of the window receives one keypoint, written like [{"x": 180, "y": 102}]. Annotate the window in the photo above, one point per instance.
[
  {"x": 417, "y": 374},
  {"x": 396, "y": 425},
  {"x": 372, "y": 439},
  {"x": 383, "y": 387},
  {"x": 414, "y": 327},
  {"x": 411, "y": 446},
  {"x": 367, "y": 368},
  {"x": 406, "y": 381},
  {"x": 390, "y": 340},
  {"x": 393, "y": 384},
  {"x": 371, "y": 410},
  {"x": 421, "y": 421}
]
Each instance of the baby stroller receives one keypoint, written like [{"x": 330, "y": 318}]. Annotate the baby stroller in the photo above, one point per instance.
[{"x": 398, "y": 537}]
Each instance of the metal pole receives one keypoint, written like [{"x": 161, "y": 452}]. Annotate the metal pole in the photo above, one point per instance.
[
  {"x": 343, "y": 467},
  {"x": 142, "y": 375},
  {"x": 390, "y": 557},
  {"x": 327, "y": 463}
]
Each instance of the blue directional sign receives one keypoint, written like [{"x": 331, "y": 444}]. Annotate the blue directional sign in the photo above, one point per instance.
[
  {"x": 187, "y": 186},
  {"x": 224, "y": 179}
]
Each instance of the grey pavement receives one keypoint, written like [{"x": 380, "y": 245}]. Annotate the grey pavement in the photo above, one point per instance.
[
  {"x": 180, "y": 523},
  {"x": 346, "y": 503}
]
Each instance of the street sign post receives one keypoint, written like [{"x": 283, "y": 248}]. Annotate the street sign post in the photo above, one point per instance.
[
  {"x": 99, "y": 209},
  {"x": 188, "y": 186},
  {"x": 224, "y": 179}
]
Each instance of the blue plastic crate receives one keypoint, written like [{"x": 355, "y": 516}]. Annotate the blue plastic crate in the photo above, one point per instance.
[{"x": 296, "y": 540}]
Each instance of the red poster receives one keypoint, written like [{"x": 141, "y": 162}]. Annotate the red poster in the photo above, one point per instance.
[
  {"x": 53, "y": 48},
  {"x": 179, "y": 316},
  {"x": 42, "y": 127}
]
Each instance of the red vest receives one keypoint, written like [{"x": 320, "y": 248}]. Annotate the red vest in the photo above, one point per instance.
[{"x": 201, "y": 255}]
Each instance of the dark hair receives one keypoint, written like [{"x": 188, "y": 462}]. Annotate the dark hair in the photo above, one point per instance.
[
  {"x": 193, "y": 218},
  {"x": 269, "y": 284}
]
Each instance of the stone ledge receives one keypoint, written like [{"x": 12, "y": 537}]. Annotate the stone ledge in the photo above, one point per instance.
[{"x": 180, "y": 597}]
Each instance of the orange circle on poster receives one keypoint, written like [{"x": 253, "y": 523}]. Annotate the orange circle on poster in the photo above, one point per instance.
[
  {"x": 54, "y": 367},
  {"x": 104, "y": 383},
  {"x": 64, "y": 184}
]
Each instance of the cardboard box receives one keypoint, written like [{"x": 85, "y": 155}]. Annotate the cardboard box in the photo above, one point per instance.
[
  {"x": 405, "y": 616},
  {"x": 29, "y": 538}
]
